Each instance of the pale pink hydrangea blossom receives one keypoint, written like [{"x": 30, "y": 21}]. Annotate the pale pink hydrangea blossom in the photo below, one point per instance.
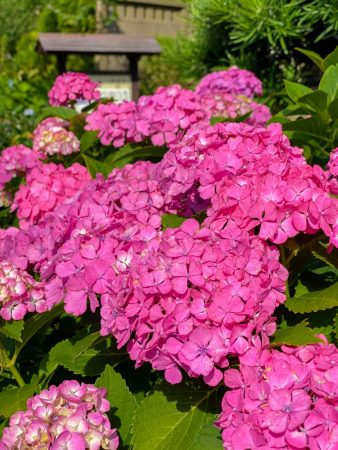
[
  {"x": 282, "y": 399},
  {"x": 52, "y": 137},
  {"x": 71, "y": 416},
  {"x": 19, "y": 293},
  {"x": 71, "y": 87}
]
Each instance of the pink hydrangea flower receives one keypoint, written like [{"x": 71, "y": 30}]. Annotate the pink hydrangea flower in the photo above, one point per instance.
[
  {"x": 19, "y": 293},
  {"x": 52, "y": 137},
  {"x": 70, "y": 87},
  {"x": 282, "y": 399},
  {"x": 15, "y": 161},
  {"x": 47, "y": 186},
  {"x": 159, "y": 117},
  {"x": 231, "y": 81},
  {"x": 71, "y": 416}
]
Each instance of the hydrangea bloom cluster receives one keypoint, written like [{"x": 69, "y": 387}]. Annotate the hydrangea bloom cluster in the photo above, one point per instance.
[
  {"x": 333, "y": 163},
  {"x": 52, "y": 137},
  {"x": 19, "y": 293},
  {"x": 282, "y": 400},
  {"x": 158, "y": 117},
  {"x": 71, "y": 87},
  {"x": 252, "y": 177},
  {"x": 47, "y": 186},
  {"x": 191, "y": 297},
  {"x": 231, "y": 106},
  {"x": 14, "y": 161},
  {"x": 65, "y": 417},
  {"x": 231, "y": 81}
]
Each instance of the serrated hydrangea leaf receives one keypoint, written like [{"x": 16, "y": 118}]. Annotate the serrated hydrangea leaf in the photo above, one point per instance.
[
  {"x": 209, "y": 436},
  {"x": 314, "y": 301},
  {"x": 12, "y": 329},
  {"x": 171, "y": 221},
  {"x": 170, "y": 418},
  {"x": 86, "y": 356},
  {"x": 299, "y": 334},
  {"x": 13, "y": 400},
  {"x": 121, "y": 399},
  {"x": 94, "y": 166},
  {"x": 57, "y": 111},
  {"x": 296, "y": 90}
]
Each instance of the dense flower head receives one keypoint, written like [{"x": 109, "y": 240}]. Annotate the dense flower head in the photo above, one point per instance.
[
  {"x": 71, "y": 416},
  {"x": 252, "y": 177},
  {"x": 19, "y": 293},
  {"x": 47, "y": 186},
  {"x": 52, "y": 137},
  {"x": 333, "y": 163},
  {"x": 282, "y": 399},
  {"x": 192, "y": 297},
  {"x": 231, "y": 106},
  {"x": 231, "y": 81},
  {"x": 71, "y": 87},
  {"x": 15, "y": 161},
  {"x": 158, "y": 117}
]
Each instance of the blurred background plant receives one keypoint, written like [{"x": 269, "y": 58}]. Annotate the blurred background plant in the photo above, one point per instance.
[
  {"x": 25, "y": 75},
  {"x": 259, "y": 35}
]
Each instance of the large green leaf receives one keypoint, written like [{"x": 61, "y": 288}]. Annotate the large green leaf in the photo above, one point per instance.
[
  {"x": 314, "y": 301},
  {"x": 132, "y": 152},
  {"x": 87, "y": 140},
  {"x": 57, "y": 111},
  {"x": 299, "y": 334},
  {"x": 317, "y": 59},
  {"x": 13, "y": 400},
  {"x": 333, "y": 109},
  {"x": 94, "y": 166},
  {"x": 121, "y": 400},
  {"x": 172, "y": 418},
  {"x": 331, "y": 59},
  {"x": 312, "y": 127},
  {"x": 87, "y": 356},
  {"x": 329, "y": 82},
  {"x": 12, "y": 329},
  {"x": 296, "y": 90},
  {"x": 208, "y": 436},
  {"x": 171, "y": 221},
  {"x": 37, "y": 321},
  {"x": 316, "y": 100}
]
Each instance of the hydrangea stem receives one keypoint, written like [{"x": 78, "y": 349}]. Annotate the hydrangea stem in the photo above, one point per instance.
[{"x": 10, "y": 365}]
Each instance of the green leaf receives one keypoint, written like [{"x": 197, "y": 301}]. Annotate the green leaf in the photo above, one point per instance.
[
  {"x": 208, "y": 436},
  {"x": 87, "y": 356},
  {"x": 299, "y": 334},
  {"x": 121, "y": 399},
  {"x": 311, "y": 127},
  {"x": 317, "y": 59},
  {"x": 130, "y": 152},
  {"x": 329, "y": 82},
  {"x": 336, "y": 327},
  {"x": 296, "y": 90},
  {"x": 87, "y": 140},
  {"x": 171, "y": 418},
  {"x": 12, "y": 329},
  {"x": 13, "y": 400},
  {"x": 94, "y": 166},
  {"x": 316, "y": 100},
  {"x": 214, "y": 120},
  {"x": 172, "y": 221},
  {"x": 37, "y": 321},
  {"x": 314, "y": 301},
  {"x": 333, "y": 109},
  {"x": 331, "y": 59},
  {"x": 57, "y": 111}
]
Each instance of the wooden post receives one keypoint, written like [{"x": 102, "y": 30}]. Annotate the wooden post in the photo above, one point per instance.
[
  {"x": 62, "y": 62},
  {"x": 133, "y": 67}
]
